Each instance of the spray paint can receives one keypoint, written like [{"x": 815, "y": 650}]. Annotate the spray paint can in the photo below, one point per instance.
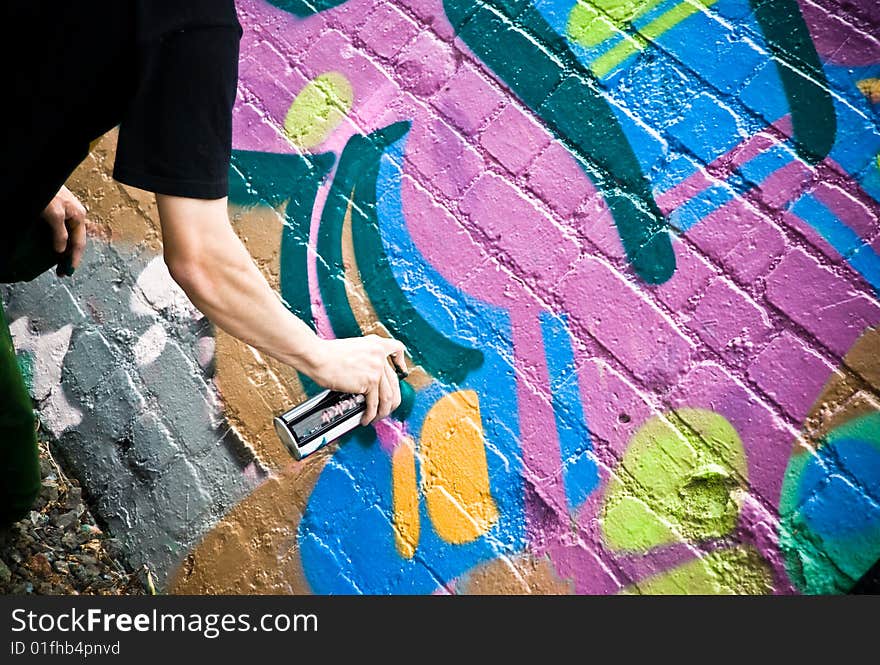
[{"x": 325, "y": 417}]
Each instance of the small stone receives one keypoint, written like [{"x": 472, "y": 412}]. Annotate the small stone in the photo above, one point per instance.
[
  {"x": 49, "y": 492},
  {"x": 114, "y": 548},
  {"x": 81, "y": 574},
  {"x": 46, "y": 468},
  {"x": 39, "y": 564},
  {"x": 91, "y": 530},
  {"x": 5, "y": 573},
  {"x": 57, "y": 549},
  {"x": 74, "y": 498},
  {"x": 67, "y": 520}
]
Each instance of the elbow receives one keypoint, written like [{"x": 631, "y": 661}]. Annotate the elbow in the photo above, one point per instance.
[{"x": 190, "y": 275}]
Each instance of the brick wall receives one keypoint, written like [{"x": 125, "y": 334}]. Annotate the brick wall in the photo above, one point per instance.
[{"x": 632, "y": 249}]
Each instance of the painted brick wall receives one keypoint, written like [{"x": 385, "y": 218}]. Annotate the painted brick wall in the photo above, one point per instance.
[{"x": 631, "y": 246}]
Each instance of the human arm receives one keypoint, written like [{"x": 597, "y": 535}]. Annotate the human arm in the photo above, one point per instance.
[{"x": 209, "y": 262}]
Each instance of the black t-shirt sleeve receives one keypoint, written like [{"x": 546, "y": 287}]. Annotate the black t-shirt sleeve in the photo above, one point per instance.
[{"x": 176, "y": 136}]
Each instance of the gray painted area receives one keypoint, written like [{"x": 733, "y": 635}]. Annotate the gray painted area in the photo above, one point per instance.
[{"x": 122, "y": 377}]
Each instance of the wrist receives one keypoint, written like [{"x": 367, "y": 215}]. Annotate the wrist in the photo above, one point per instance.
[{"x": 309, "y": 355}]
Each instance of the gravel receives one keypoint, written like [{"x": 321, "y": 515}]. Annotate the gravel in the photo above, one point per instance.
[{"x": 60, "y": 550}]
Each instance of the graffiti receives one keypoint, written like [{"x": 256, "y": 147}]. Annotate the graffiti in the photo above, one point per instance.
[
  {"x": 803, "y": 80},
  {"x": 632, "y": 250},
  {"x": 830, "y": 522},
  {"x": 41, "y": 356},
  {"x": 589, "y": 25},
  {"x": 684, "y": 478},
  {"x": 523, "y": 50},
  {"x": 352, "y": 200},
  {"x": 759, "y": 186},
  {"x": 870, "y": 88},
  {"x": 836, "y": 35},
  {"x": 396, "y": 205},
  {"x": 306, "y": 7},
  {"x": 317, "y": 110},
  {"x": 681, "y": 485},
  {"x": 710, "y": 575}
]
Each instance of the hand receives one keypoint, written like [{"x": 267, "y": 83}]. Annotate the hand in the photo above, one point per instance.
[
  {"x": 67, "y": 217},
  {"x": 360, "y": 365}
]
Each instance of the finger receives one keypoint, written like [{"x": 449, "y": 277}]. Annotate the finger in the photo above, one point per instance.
[
  {"x": 397, "y": 350},
  {"x": 394, "y": 383},
  {"x": 54, "y": 215},
  {"x": 400, "y": 372},
  {"x": 372, "y": 405},
  {"x": 76, "y": 244},
  {"x": 385, "y": 397},
  {"x": 74, "y": 211}
]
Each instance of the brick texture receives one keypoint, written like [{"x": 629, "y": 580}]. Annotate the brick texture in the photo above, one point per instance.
[{"x": 638, "y": 280}]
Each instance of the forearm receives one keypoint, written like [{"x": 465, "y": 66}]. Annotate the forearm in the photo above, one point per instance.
[
  {"x": 219, "y": 276},
  {"x": 231, "y": 291},
  {"x": 215, "y": 270}
]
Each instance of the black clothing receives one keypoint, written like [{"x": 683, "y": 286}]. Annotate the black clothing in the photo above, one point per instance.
[{"x": 165, "y": 71}]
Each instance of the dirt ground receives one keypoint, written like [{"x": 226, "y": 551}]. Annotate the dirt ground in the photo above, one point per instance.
[{"x": 59, "y": 549}]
